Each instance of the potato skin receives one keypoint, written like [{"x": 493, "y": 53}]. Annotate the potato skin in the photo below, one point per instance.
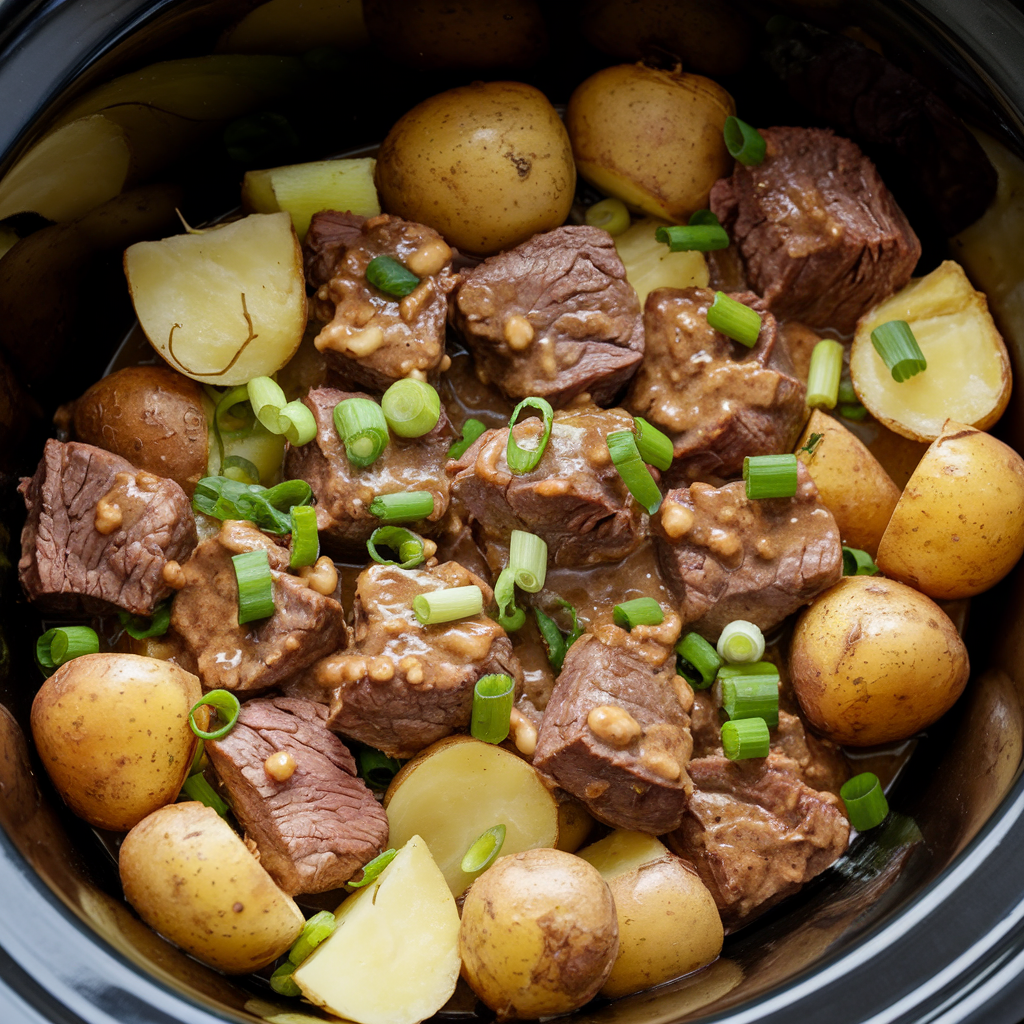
[{"x": 873, "y": 661}]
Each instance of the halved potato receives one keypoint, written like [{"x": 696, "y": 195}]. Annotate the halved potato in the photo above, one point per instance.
[
  {"x": 650, "y": 264},
  {"x": 274, "y": 28},
  {"x": 968, "y": 374}
]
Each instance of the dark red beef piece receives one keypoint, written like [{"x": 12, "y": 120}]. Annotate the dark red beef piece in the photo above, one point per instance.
[
  {"x": 372, "y": 339},
  {"x": 821, "y": 237},
  {"x": 68, "y": 564},
  {"x": 344, "y": 491},
  {"x": 718, "y": 400},
  {"x": 248, "y": 659},
  {"x": 316, "y": 829},
  {"x": 553, "y": 317}
]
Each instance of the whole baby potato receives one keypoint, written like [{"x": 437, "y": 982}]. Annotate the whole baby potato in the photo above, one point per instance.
[
  {"x": 112, "y": 732},
  {"x": 539, "y": 934},
  {"x": 873, "y": 660},
  {"x": 487, "y": 165}
]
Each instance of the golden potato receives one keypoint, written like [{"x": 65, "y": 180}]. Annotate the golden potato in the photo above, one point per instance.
[
  {"x": 651, "y": 264},
  {"x": 873, "y": 661},
  {"x": 668, "y": 921},
  {"x": 487, "y": 165},
  {"x": 959, "y": 526},
  {"x": 651, "y": 138},
  {"x": 539, "y": 934},
  {"x": 112, "y": 732},
  {"x": 574, "y": 824},
  {"x": 190, "y": 877}
]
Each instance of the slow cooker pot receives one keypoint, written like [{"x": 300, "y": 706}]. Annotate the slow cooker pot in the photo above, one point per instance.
[{"x": 923, "y": 921}]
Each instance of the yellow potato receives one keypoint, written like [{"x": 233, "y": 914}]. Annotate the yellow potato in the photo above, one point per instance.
[
  {"x": 668, "y": 921},
  {"x": 959, "y": 526},
  {"x": 574, "y": 824},
  {"x": 873, "y": 661},
  {"x": 968, "y": 374},
  {"x": 190, "y": 877},
  {"x": 112, "y": 732},
  {"x": 487, "y": 165},
  {"x": 273, "y": 27},
  {"x": 650, "y": 264},
  {"x": 651, "y": 138}
]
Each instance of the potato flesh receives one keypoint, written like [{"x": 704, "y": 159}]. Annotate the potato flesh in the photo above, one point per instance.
[
  {"x": 273, "y": 27},
  {"x": 650, "y": 264}
]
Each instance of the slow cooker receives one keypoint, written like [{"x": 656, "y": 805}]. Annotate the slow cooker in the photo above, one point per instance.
[{"x": 923, "y": 922}]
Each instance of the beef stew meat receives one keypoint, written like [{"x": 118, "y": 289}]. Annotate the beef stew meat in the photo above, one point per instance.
[
  {"x": 316, "y": 828},
  {"x": 553, "y": 317},
  {"x": 402, "y": 685},
  {"x": 718, "y": 400},
  {"x": 372, "y": 339},
  {"x": 821, "y": 237},
  {"x": 250, "y": 658},
  {"x": 99, "y": 532}
]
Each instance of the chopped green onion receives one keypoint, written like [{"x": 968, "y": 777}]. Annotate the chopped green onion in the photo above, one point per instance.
[
  {"x": 298, "y": 423},
  {"x": 734, "y": 319},
  {"x": 641, "y": 611},
  {"x": 770, "y": 476},
  {"x": 267, "y": 400},
  {"x": 374, "y": 868},
  {"x": 268, "y": 507},
  {"x": 510, "y": 618},
  {"x": 895, "y": 343},
  {"x": 701, "y": 217},
  {"x": 390, "y": 277},
  {"x": 745, "y": 739},
  {"x": 756, "y": 668},
  {"x": 523, "y": 460},
  {"x": 484, "y": 852},
  {"x": 471, "y": 430},
  {"x": 138, "y": 627},
  {"x": 402, "y": 507},
  {"x": 234, "y": 467},
  {"x": 866, "y": 805},
  {"x": 858, "y": 563},
  {"x": 554, "y": 641},
  {"x": 361, "y": 425},
  {"x": 812, "y": 442},
  {"x": 319, "y": 927},
  {"x": 493, "y": 696},
  {"x": 376, "y": 768},
  {"x": 753, "y": 696},
  {"x": 636, "y": 476},
  {"x": 281, "y": 980},
  {"x": 610, "y": 214},
  {"x": 198, "y": 758},
  {"x": 853, "y": 412},
  {"x": 824, "y": 375},
  {"x": 692, "y": 237},
  {"x": 233, "y": 417},
  {"x": 528, "y": 560},
  {"x": 411, "y": 407},
  {"x": 255, "y": 586},
  {"x": 698, "y": 654},
  {"x": 197, "y": 788},
  {"x": 655, "y": 448},
  {"x": 744, "y": 142},
  {"x": 847, "y": 393},
  {"x": 305, "y": 536},
  {"x": 741, "y": 642},
  {"x": 447, "y": 605},
  {"x": 408, "y": 546},
  {"x": 58, "y": 646},
  {"x": 225, "y": 703}
]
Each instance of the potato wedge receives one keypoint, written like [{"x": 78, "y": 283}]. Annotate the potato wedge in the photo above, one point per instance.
[
  {"x": 649, "y": 263},
  {"x": 273, "y": 27},
  {"x": 968, "y": 376}
]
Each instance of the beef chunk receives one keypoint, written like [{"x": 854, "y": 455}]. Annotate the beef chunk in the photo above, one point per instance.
[
  {"x": 726, "y": 557},
  {"x": 718, "y": 400},
  {"x": 821, "y": 237},
  {"x": 616, "y": 734},
  {"x": 99, "y": 532},
  {"x": 344, "y": 491},
  {"x": 373, "y": 339},
  {"x": 574, "y": 498},
  {"x": 305, "y": 625},
  {"x": 552, "y": 317},
  {"x": 404, "y": 685},
  {"x": 315, "y": 829},
  {"x": 756, "y": 832}
]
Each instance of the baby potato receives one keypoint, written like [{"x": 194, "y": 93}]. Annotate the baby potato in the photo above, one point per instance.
[
  {"x": 112, "y": 732},
  {"x": 874, "y": 661},
  {"x": 539, "y": 934},
  {"x": 650, "y": 264},
  {"x": 959, "y": 526},
  {"x": 190, "y": 877}
]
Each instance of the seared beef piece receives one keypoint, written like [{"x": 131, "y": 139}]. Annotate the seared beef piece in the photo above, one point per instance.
[
  {"x": 821, "y": 237},
  {"x": 344, "y": 491},
  {"x": 373, "y": 339},
  {"x": 726, "y": 557},
  {"x": 404, "y": 685},
  {"x": 616, "y": 734},
  {"x": 316, "y": 829},
  {"x": 756, "y": 833},
  {"x": 248, "y": 659},
  {"x": 574, "y": 498},
  {"x": 718, "y": 400},
  {"x": 99, "y": 532},
  {"x": 552, "y": 317}
]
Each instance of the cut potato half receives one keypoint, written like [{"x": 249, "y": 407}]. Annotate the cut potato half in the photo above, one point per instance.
[
  {"x": 274, "y": 28},
  {"x": 649, "y": 263},
  {"x": 968, "y": 374},
  {"x": 224, "y": 305}
]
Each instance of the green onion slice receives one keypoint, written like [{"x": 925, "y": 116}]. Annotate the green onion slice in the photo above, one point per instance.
[
  {"x": 744, "y": 142},
  {"x": 255, "y": 586},
  {"x": 866, "y": 805},
  {"x": 267, "y": 399},
  {"x": 701, "y": 658},
  {"x": 471, "y": 430},
  {"x": 197, "y": 788},
  {"x": 376, "y": 768},
  {"x": 493, "y": 696},
  {"x": 447, "y": 605},
  {"x": 824, "y": 375},
  {"x": 523, "y": 460},
  {"x": 746, "y": 738},
  {"x": 753, "y": 696},
  {"x": 734, "y": 319},
  {"x": 812, "y": 442},
  {"x": 298, "y": 423},
  {"x": 138, "y": 627},
  {"x": 554, "y": 640},
  {"x": 389, "y": 276},
  {"x": 305, "y": 536},
  {"x": 408, "y": 546},
  {"x": 655, "y": 448},
  {"x": 636, "y": 476},
  {"x": 484, "y": 852},
  {"x": 281, "y": 980},
  {"x": 895, "y": 343},
  {"x": 234, "y": 467},
  {"x": 770, "y": 476},
  {"x": 510, "y": 618},
  {"x": 858, "y": 563},
  {"x": 641, "y": 611},
  {"x": 225, "y": 703},
  {"x": 402, "y": 507},
  {"x": 362, "y": 428},
  {"x": 609, "y": 214},
  {"x": 198, "y": 758},
  {"x": 741, "y": 642},
  {"x": 528, "y": 560},
  {"x": 233, "y": 418},
  {"x": 319, "y": 927},
  {"x": 374, "y": 868},
  {"x": 756, "y": 668},
  {"x": 268, "y": 507},
  {"x": 692, "y": 237},
  {"x": 847, "y": 393},
  {"x": 853, "y": 412},
  {"x": 411, "y": 407},
  {"x": 58, "y": 646},
  {"x": 702, "y": 217}
]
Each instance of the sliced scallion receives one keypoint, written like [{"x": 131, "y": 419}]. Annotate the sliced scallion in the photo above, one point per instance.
[
  {"x": 411, "y": 407},
  {"x": 298, "y": 423},
  {"x": 753, "y": 696},
  {"x": 225, "y": 703},
  {"x": 734, "y": 319},
  {"x": 403, "y": 506},
  {"x": 770, "y": 476},
  {"x": 493, "y": 696},
  {"x": 234, "y": 467},
  {"x": 655, "y": 448},
  {"x": 390, "y": 277},
  {"x": 267, "y": 400},
  {"x": 692, "y": 237},
  {"x": 58, "y": 646},
  {"x": 138, "y": 627},
  {"x": 255, "y": 586},
  {"x": 484, "y": 851},
  {"x": 447, "y": 605},
  {"x": 741, "y": 642},
  {"x": 362, "y": 428},
  {"x": 305, "y": 536},
  {"x": 865, "y": 801},
  {"x": 641, "y": 611},
  {"x": 510, "y": 618},
  {"x": 319, "y": 927},
  {"x": 282, "y": 983},
  {"x": 523, "y": 460},
  {"x": 407, "y": 546},
  {"x": 197, "y": 788},
  {"x": 609, "y": 214},
  {"x": 374, "y": 868},
  {"x": 756, "y": 668},
  {"x": 744, "y": 142},
  {"x": 699, "y": 217},
  {"x": 636, "y": 476},
  {"x": 376, "y": 768},
  {"x": 858, "y": 563},
  {"x": 528, "y": 560},
  {"x": 824, "y": 374},
  {"x": 898, "y": 348},
  {"x": 471, "y": 430},
  {"x": 699, "y": 655},
  {"x": 746, "y": 738},
  {"x": 853, "y": 412},
  {"x": 554, "y": 641}
]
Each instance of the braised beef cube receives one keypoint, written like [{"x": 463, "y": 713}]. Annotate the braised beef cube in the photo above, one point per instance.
[
  {"x": 314, "y": 828},
  {"x": 574, "y": 499},
  {"x": 616, "y": 733},
  {"x": 372, "y": 338},
  {"x": 552, "y": 317},
  {"x": 821, "y": 237},
  {"x": 756, "y": 833},
  {"x": 251, "y": 658},
  {"x": 99, "y": 532},
  {"x": 726, "y": 557},
  {"x": 404, "y": 685},
  {"x": 344, "y": 491},
  {"x": 718, "y": 400}
]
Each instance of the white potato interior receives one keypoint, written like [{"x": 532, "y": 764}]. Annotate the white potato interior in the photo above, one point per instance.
[
  {"x": 650, "y": 264},
  {"x": 621, "y": 852}
]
